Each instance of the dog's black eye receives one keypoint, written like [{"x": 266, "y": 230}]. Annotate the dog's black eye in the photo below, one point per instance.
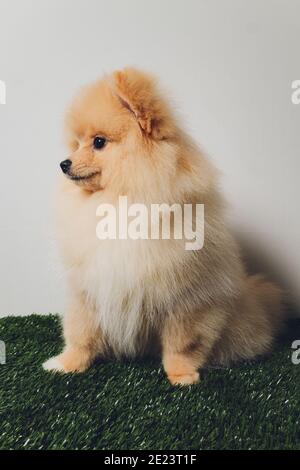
[{"x": 99, "y": 143}]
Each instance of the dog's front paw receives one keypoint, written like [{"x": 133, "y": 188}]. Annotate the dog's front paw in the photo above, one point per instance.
[
  {"x": 185, "y": 379},
  {"x": 53, "y": 365},
  {"x": 181, "y": 369},
  {"x": 71, "y": 360}
]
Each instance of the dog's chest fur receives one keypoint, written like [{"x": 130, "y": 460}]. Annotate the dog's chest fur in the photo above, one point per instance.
[{"x": 116, "y": 275}]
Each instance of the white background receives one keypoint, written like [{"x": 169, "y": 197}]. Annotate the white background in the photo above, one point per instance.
[{"x": 229, "y": 65}]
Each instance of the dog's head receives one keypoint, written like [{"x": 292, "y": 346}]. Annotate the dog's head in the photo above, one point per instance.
[
  {"x": 121, "y": 134},
  {"x": 124, "y": 139}
]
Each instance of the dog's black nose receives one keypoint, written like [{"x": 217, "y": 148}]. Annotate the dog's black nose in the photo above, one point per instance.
[{"x": 66, "y": 165}]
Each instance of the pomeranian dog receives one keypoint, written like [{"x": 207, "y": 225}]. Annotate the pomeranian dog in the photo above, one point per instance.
[{"x": 132, "y": 297}]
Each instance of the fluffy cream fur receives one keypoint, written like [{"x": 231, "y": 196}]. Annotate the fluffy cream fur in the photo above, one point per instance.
[{"x": 132, "y": 297}]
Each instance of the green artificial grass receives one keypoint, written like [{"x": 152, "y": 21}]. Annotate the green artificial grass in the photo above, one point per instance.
[{"x": 131, "y": 405}]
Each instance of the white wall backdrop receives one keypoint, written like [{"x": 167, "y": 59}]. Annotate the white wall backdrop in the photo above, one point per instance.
[{"x": 229, "y": 64}]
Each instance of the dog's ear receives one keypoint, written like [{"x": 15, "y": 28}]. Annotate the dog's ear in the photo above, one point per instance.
[{"x": 137, "y": 92}]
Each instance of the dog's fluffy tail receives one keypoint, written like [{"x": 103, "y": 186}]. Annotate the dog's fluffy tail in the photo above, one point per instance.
[
  {"x": 251, "y": 331},
  {"x": 270, "y": 297}
]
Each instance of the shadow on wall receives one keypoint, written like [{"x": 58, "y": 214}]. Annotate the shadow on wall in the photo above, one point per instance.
[{"x": 257, "y": 261}]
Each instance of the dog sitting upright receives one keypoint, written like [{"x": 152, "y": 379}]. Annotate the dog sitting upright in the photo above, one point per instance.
[{"x": 130, "y": 297}]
